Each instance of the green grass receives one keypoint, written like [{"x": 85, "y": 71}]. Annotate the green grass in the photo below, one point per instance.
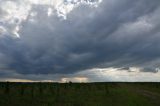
[{"x": 79, "y": 94}]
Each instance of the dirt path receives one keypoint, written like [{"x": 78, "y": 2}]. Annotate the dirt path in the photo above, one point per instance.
[
  {"x": 149, "y": 94},
  {"x": 153, "y": 97}
]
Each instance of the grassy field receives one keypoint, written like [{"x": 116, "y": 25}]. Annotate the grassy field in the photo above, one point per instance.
[{"x": 79, "y": 94}]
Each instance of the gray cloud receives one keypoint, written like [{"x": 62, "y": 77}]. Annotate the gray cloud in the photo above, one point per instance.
[{"x": 115, "y": 34}]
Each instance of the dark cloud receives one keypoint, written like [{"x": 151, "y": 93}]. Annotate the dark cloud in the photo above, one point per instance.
[{"x": 115, "y": 34}]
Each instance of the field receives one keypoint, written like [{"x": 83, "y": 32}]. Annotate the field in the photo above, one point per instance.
[{"x": 79, "y": 94}]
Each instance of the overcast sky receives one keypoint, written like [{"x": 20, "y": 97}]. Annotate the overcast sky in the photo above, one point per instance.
[{"x": 80, "y": 40}]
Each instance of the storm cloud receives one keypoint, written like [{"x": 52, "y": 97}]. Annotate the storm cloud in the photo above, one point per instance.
[{"x": 73, "y": 36}]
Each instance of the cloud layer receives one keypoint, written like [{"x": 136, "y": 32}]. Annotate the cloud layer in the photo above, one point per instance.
[{"x": 66, "y": 37}]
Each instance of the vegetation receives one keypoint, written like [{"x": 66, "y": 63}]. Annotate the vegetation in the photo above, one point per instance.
[{"x": 79, "y": 94}]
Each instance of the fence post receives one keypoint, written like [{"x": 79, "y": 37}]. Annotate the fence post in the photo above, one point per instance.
[{"x": 7, "y": 89}]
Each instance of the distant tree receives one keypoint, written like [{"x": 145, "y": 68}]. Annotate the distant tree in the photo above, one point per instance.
[{"x": 70, "y": 82}]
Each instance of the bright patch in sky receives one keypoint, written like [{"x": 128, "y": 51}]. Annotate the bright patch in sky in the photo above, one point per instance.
[{"x": 14, "y": 12}]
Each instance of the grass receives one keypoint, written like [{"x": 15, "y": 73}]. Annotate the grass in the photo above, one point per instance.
[{"x": 79, "y": 94}]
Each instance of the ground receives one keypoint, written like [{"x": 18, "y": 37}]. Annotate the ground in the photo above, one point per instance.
[{"x": 79, "y": 94}]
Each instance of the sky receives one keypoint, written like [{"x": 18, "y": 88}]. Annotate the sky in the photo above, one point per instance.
[{"x": 80, "y": 40}]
